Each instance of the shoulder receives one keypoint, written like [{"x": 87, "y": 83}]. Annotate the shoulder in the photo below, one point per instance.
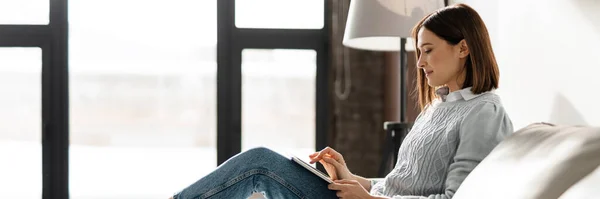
[
  {"x": 485, "y": 103},
  {"x": 487, "y": 98},
  {"x": 487, "y": 112}
]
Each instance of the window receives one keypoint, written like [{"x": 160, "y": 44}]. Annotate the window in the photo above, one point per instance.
[
  {"x": 278, "y": 100},
  {"x": 285, "y": 14},
  {"x": 35, "y": 12},
  {"x": 20, "y": 122},
  {"x": 142, "y": 96}
]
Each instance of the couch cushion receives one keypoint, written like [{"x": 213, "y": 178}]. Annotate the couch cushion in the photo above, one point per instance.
[
  {"x": 586, "y": 188},
  {"x": 540, "y": 161}
]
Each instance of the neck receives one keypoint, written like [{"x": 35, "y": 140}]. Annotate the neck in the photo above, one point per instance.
[
  {"x": 453, "y": 87},
  {"x": 458, "y": 82}
]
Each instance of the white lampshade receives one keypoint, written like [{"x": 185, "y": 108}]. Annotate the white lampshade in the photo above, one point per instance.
[{"x": 378, "y": 25}]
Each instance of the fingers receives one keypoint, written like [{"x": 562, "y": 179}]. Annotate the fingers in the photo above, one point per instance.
[
  {"x": 342, "y": 190},
  {"x": 337, "y": 186},
  {"x": 346, "y": 182},
  {"x": 320, "y": 155},
  {"x": 333, "y": 162},
  {"x": 327, "y": 151},
  {"x": 313, "y": 159},
  {"x": 322, "y": 161}
]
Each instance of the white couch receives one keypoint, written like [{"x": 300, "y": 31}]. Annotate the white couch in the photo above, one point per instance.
[{"x": 540, "y": 161}]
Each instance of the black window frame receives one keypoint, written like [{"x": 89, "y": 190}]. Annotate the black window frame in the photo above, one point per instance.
[
  {"x": 231, "y": 40},
  {"x": 53, "y": 40}
]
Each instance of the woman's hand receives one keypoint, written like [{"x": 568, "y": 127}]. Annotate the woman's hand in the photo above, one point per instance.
[
  {"x": 333, "y": 162},
  {"x": 349, "y": 189}
]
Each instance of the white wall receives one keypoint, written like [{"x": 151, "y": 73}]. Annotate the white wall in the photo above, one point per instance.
[{"x": 549, "y": 57}]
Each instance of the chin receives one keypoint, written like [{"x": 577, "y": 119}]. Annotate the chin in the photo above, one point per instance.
[{"x": 433, "y": 83}]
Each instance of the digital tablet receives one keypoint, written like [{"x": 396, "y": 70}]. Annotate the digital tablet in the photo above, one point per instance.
[{"x": 312, "y": 169}]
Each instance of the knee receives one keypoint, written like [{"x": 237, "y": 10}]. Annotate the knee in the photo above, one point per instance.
[
  {"x": 260, "y": 152},
  {"x": 262, "y": 158},
  {"x": 254, "y": 154}
]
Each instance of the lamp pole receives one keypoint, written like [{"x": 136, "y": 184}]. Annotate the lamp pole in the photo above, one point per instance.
[
  {"x": 399, "y": 130},
  {"x": 396, "y": 131}
]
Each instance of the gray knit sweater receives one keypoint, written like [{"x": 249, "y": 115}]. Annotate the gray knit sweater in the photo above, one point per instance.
[{"x": 446, "y": 142}]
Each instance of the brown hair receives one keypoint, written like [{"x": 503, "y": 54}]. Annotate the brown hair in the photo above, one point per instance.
[{"x": 453, "y": 24}]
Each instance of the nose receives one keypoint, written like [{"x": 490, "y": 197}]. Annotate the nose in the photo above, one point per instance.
[{"x": 421, "y": 62}]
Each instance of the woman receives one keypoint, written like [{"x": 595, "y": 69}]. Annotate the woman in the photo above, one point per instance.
[{"x": 461, "y": 121}]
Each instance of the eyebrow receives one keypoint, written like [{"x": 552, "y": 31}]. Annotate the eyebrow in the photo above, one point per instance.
[{"x": 426, "y": 44}]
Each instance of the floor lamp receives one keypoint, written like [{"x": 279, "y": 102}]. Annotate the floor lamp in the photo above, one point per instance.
[{"x": 385, "y": 25}]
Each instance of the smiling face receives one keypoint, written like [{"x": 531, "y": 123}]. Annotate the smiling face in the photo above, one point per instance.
[{"x": 442, "y": 63}]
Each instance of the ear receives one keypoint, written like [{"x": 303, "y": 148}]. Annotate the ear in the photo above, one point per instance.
[{"x": 463, "y": 49}]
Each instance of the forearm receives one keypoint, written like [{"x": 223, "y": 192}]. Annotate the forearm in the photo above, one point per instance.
[{"x": 363, "y": 181}]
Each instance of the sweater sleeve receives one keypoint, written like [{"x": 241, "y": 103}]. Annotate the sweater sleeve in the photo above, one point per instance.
[
  {"x": 377, "y": 187},
  {"x": 484, "y": 126}
]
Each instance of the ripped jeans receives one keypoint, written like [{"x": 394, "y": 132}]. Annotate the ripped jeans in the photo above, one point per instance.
[{"x": 258, "y": 170}]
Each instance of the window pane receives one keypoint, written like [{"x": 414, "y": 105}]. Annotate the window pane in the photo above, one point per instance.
[
  {"x": 24, "y": 12},
  {"x": 20, "y": 123},
  {"x": 143, "y": 96},
  {"x": 278, "y": 100},
  {"x": 287, "y": 14}
]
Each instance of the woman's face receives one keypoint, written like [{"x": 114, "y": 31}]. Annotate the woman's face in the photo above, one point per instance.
[{"x": 441, "y": 62}]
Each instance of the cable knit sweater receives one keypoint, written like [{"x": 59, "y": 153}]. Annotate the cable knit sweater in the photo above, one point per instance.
[{"x": 446, "y": 142}]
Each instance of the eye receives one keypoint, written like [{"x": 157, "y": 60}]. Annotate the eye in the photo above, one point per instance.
[{"x": 427, "y": 51}]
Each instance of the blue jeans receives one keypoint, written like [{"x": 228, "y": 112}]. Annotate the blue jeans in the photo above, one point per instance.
[{"x": 258, "y": 170}]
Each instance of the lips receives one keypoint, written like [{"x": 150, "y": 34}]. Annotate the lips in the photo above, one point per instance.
[{"x": 427, "y": 73}]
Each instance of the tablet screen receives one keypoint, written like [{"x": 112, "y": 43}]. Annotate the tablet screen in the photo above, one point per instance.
[{"x": 312, "y": 169}]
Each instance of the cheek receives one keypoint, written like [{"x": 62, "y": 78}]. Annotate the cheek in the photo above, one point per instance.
[
  {"x": 444, "y": 68},
  {"x": 443, "y": 62},
  {"x": 436, "y": 61}
]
